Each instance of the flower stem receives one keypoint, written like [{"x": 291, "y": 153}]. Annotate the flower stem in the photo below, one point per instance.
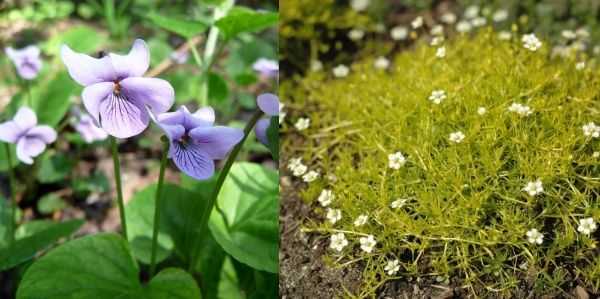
[
  {"x": 157, "y": 204},
  {"x": 217, "y": 189},
  {"x": 117, "y": 168},
  {"x": 11, "y": 183}
]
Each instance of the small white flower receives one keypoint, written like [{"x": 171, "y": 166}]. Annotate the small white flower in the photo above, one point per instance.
[
  {"x": 504, "y": 35},
  {"x": 334, "y": 215},
  {"x": 367, "y": 243},
  {"x": 359, "y": 5},
  {"x": 396, "y": 160},
  {"x": 582, "y": 33},
  {"x": 580, "y": 65},
  {"x": 341, "y": 71},
  {"x": 294, "y": 162},
  {"x": 302, "y": 124},
  {"x": 534, "y": 188},
  {"x": 520, "y": 109},
  {"x": 472, "y": 12},
  {"x": 299, "y": 170},
  {"x": 398, "y": 203},
  {"x": 591, "y": 130},
  {"x": 464, "y": 27},
  {"x": 596, "y": 155},
  {"x": 448, "y": 18},
  {"x": 500, "y": 15},
  {"x": 437, "y": 30},
  {"x": 437, "y": 96},
  {"x": 440, "y": 52},
  {"x": 282, "y": 114},
  {"x": 381, "y": 63},
  {"x": 481, "y": 111},
  {"x": 478, "y": 22},
  {"x": 361, "y": 220},
  {"x": 457, "y": 137},
  {"x": 417, "y": 22},
  {"x": 338, "y": 242},
  {"x": 356, "y": 34},
  {"x": 531, "y": 42},
  {"x": 535, "y": 237},
  {"x": 436, "y": 41},
  {"x": 392, "y": 267},
  {"x": 399, "y": 33},
  {"x": 310, "y": 176},
  {"x": 568, "y": 34},
  {"x": 316, "y": 65},
  {"x": 326, "y": 197},
  {"x": 587, "y": 226}
]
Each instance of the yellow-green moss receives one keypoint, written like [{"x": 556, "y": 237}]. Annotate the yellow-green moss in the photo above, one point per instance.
[{"x": 467, "y": 216}]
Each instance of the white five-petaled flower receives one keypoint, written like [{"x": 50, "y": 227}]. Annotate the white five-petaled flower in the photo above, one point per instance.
[
  {"x": 535, "y": 237},
  {"x": 302, "y": 124},
  {"x": 456, "y": 137},
  {"x": 398, "y": 203},
  {"x": 436, "y": 41},
  {"x": 481, "y": 111},
  {"x": 596, "y": 155},
  {"x": 587, "y": 226},
  {"x": 399, "y": 33},
  {"x": 448, "y": 18},
  {"x": 367, "y": 243},
  {"x": 392, "y": 267},
  {"x": 396, "y": 160},
  {"x": 341, "y": 71},
  {"x": 580, "y": 65},
  {"x": 326, "y": 197},
  {"x": 359, "y": 5},
  {"x": 296, "y": 167},
  {"x": 417, "y": 22},
  {"x": 568, "y": 34},
  {"x": 338, "y": 242},
  {"x": 437, "y": 30},
  {"x": 500, "y": 15},
  {"x": 310, "y": 176},
  {"x": 534, "y": 188},
  {"x": 478, "y": 22},
  {"x": 520, "y": 109},
  {"x": 591, "y": 130},
  {"x": 440, "y": 52},
  {"x": 361, "y": 220},
  {"x": 356, "y": 34},
  {"x": 381, "y": 63},
  {"x": 531, "y": 42},
  {"x": 437, "y": 96},
  {"x": 334, "y": 215},
  {"x": 504, "y": 35},
  {"x": 316, "y": 65},
  {"x": 472, "y": 12},
  {"x": 463, "y": 27}
]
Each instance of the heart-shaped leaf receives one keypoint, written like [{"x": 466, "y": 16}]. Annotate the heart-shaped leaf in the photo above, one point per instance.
[
  {"x": 242, "y": 19},
  {"x": 99, "y": 266},
  {"x": 250, "y": 201}
]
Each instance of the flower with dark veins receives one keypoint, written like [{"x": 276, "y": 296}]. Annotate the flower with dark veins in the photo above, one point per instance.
[
  {"x": 31, "y": 139},
  {"x": 196, "y": 142},
  {"x": 116, "y": 95},
  {"x": 27, "y": 61}
]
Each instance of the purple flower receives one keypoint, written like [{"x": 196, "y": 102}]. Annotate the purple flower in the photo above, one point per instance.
[
  {"x": 31, "y": 139},
  {"x": 26, "y": 60},
  {"x": 269, "y": 104},
  {"x": 267, "y": 68},
  {"x": 195, "y": 142},
  {"x": 88, "y": 130},
  {"x": 180, "y": 57},
  {"x": 116, "y": 95}
]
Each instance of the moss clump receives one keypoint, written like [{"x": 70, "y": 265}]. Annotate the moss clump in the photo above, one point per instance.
[{"x": 466, "y": 215}]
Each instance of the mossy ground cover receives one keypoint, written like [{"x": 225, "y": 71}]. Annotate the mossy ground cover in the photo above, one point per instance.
[{"x": 465, "y": 215}]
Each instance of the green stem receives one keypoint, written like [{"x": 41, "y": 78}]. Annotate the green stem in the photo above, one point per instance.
[
  {"x": 157, "y": 204},
  {"x": 217, "y": 189},
  {"x": 117, "y": 168},
  {"x": 13, "y": 197}
]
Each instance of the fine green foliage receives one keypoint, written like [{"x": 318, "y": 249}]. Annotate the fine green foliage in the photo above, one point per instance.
[
  {"x": 100, "y": 266},
  {"x": 466, "y": 215},
  {"x": 249, "y": 200}
]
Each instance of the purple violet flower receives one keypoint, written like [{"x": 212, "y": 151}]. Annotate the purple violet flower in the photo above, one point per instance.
[
  {"x": 195, "y": 142},
  {"x": 180, "y": 57},
  {"x": 26, "y": 60},
  {"x": 266, "y": 67},
  {"x": 269, "y": 104},
  {"x": 115, "y": 94},
  {"x": 88, "y": 130},
  {"x": 31, "y": 139}
]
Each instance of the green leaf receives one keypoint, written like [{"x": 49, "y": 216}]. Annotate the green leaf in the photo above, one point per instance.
[
  {"x": 55, "y": 168},
  {"x": 26, "y": 248},
  {"x": 100, "y": 266},
  {"x": 5, "y": 223},
  {"x": 273, "y": 137},
  {"x": 250, "y": 201},
  {"x": 80, "y": 38},
  {"x": 185, "y": 28},
  {"x": 217, "y": 89},
  {"x": 30, "y": 228},
  {"x": 51, "y": 203},
  {"x": 4, "y": 158},
  {"x": 180, "y": 210},
  {"x": 55, "y": 99},
  {"x": 241, "y": 19},
  {"x": 97, "y": 182}
]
